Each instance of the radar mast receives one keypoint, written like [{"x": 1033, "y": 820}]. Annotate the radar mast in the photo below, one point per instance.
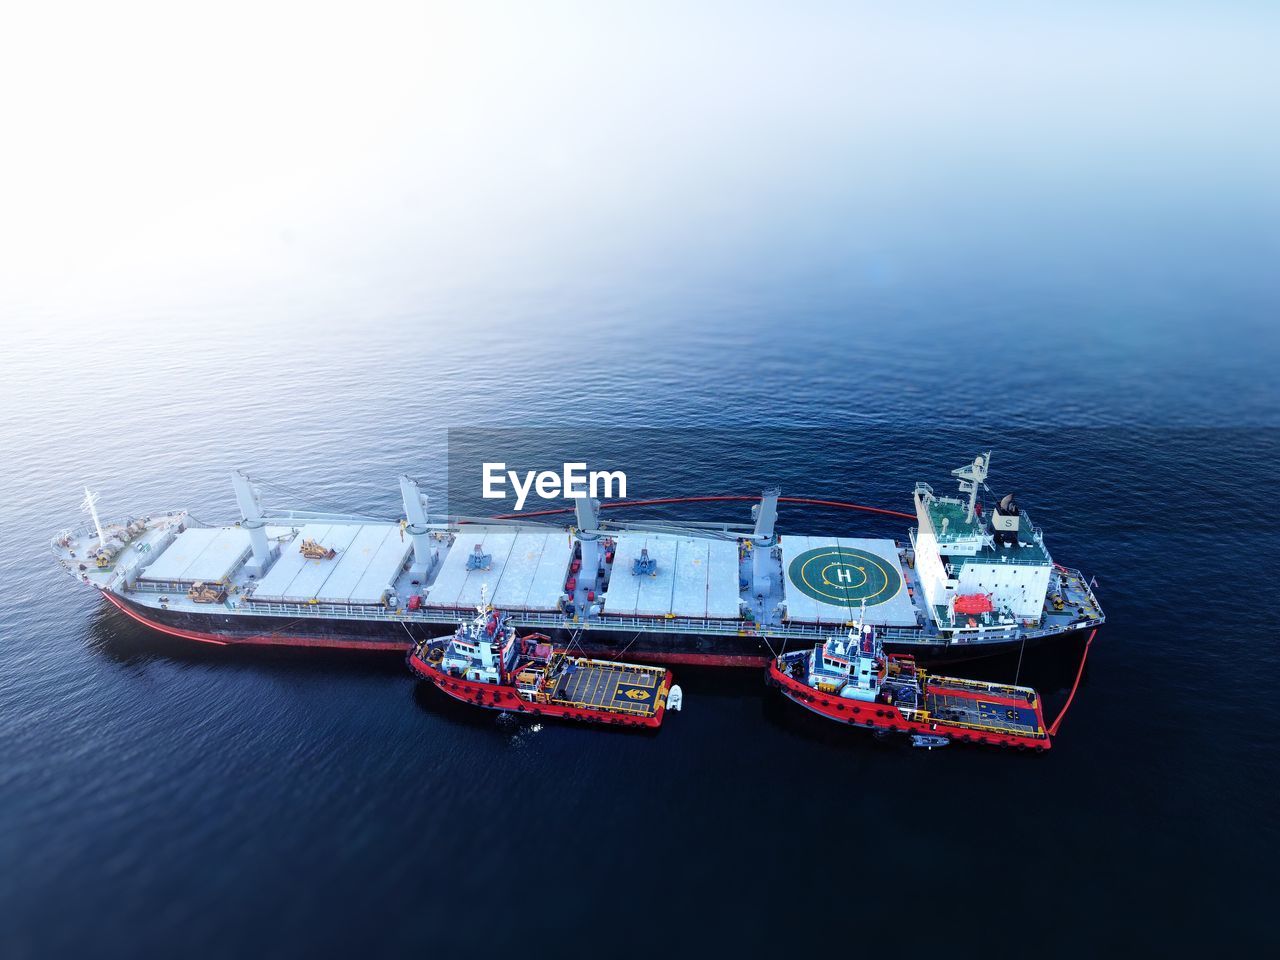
[{"x": 971, "y": 477}]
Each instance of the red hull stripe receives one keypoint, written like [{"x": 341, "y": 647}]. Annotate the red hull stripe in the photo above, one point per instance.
[
  {"x": 282, "y": 640},
  {"x": 128, "y": 611},
  {"x": 260, "y": 640}
]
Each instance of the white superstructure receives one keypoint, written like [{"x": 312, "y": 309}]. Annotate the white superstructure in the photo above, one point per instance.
[{"x": 960, "y": 553}]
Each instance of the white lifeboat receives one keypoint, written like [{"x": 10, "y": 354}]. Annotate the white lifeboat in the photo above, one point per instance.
[{"x": 675, "y": 698}]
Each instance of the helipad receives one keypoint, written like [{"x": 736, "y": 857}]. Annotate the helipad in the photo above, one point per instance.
[
  {"x": 828, "y": 580},
  {"x": 844, "y": 575}
]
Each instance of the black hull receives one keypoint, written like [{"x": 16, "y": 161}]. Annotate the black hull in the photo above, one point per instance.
[{"x": 382, "y": 635}]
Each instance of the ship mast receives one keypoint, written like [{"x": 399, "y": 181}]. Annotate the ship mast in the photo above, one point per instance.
[
  {"x": 415, "y": 513},
  {"x": 587, "y": 514},
  {"x": 90, "y": 505},
  {"x": 252, "y": 520},
  {"x": 488, "y": 645},
  {"x": 971, "y": 476},
  {"x": 763, "y": 536},
  {"x": 855, "y": 633}
]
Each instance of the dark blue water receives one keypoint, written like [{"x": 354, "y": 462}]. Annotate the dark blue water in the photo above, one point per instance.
[
  {"x": 785, "y": 301},
  {"x": 159, "y": 797}
]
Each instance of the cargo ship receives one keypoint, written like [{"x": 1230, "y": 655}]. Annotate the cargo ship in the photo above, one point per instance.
[
  {"x": 967, "y": 581},
  {"x": 852, "y": 681},
  {"x": 484, "y": 662}
]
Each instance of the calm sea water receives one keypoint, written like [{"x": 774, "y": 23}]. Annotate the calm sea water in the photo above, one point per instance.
[{"x": 160, "y": 798}]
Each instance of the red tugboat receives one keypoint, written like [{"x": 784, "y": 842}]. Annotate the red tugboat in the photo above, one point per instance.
[
  {"x": 851, "y": 680},
  {"x": 484, "y": 663}
]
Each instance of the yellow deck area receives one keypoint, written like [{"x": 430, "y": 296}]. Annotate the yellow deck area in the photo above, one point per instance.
[
  {"x": 614, "y": 687},
  {"x": 970, "y": 710}
]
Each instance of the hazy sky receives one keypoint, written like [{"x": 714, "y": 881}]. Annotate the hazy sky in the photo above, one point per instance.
[{"x": 155, "y": 149}]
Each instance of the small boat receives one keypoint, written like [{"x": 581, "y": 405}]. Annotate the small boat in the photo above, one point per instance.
[
  {"x": 851, "y": 680},
  {"x": 928, "y": 742},
  {"x": 485, "y": 663}
]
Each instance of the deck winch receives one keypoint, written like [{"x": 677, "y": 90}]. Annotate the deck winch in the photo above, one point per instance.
[{"x": 644, "y": 565}]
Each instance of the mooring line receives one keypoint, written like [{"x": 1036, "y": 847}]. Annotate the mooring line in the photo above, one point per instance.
[{"x": 1053, "y": 730}]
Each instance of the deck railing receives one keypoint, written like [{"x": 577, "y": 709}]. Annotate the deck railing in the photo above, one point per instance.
[
  {"x": 712, "y": 627},
  {"x": 1078, "y": 577},
  {"x": 551, "y": 620},
  {"x": 981, "y": 686},
  {"x": 1037, "y": 734}
]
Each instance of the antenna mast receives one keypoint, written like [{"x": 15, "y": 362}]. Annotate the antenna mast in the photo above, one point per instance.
[
  {"x": 971, "y": 476},
  {"x": 90, "y": 506}
]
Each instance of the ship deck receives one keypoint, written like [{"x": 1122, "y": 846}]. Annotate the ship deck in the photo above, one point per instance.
[
  {"x": 614, "y": 687},
  {"x": 955, "y": 704},
  {"x": 707, "y": 583}
]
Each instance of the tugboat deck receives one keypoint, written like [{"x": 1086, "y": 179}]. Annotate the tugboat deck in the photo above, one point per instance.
[
  {"x": 971, "y": 708},
  {"x": 621, "y": 688}
]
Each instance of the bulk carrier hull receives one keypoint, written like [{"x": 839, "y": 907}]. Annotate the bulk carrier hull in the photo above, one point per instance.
[
  {"x": 706, "y": 650},
  {"x": 960, "y": 587}
]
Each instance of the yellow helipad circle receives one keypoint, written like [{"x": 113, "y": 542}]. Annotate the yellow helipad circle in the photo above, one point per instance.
[{"x": 844, "y": 575}]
